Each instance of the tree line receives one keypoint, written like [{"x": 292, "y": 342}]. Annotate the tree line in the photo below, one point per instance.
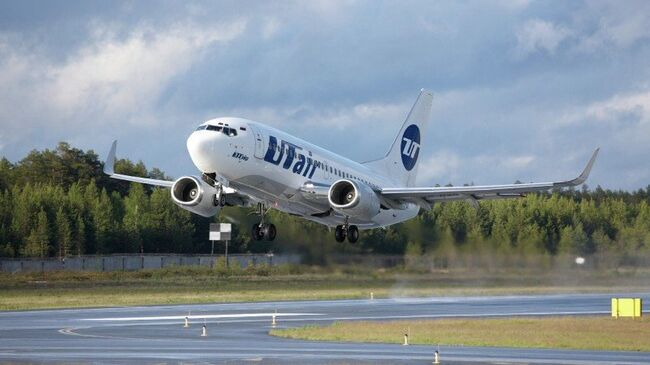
[{"x": 57, "y": 203}]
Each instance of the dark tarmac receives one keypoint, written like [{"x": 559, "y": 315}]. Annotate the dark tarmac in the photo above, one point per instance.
[{"x": 238, "y": 332}]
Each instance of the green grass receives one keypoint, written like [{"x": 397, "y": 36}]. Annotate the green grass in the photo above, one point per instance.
[
  {"x": 185, "y": 285},
  {"x": 587, "y": 333}
]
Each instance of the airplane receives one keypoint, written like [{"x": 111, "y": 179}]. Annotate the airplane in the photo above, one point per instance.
[{"x": 247, "y": 163}]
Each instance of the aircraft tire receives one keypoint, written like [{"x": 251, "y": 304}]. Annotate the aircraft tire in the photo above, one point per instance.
[
  {"x": 270, "y": 232},
  {"x": 339, "y": 234},
  {"x": 353, "y": 234},
  {"x": 256, "y": 232}
]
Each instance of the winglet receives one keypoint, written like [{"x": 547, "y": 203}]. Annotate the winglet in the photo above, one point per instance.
[
  {"x": 110, "y": 160},
  {"x": 583, "y": 176}
]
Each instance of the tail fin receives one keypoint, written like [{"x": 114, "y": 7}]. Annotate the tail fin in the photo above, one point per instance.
[{"x": 401, "y": 161}]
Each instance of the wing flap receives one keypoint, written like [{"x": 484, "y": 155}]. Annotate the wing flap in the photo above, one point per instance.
[{"x": 462, "y": 192}]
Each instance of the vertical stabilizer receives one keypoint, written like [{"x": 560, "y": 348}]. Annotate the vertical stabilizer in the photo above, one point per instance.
[{"x": 401, "y": 162}]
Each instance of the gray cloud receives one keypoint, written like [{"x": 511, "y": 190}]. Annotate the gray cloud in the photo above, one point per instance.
[{"x": 522, "y": 90}]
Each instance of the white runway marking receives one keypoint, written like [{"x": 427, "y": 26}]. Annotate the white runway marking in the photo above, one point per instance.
[{"x": 201, "y": 316}]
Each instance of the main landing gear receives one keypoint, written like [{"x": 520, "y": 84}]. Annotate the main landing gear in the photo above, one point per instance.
[
  {"x": 263, "y": 230},
  {"x": 346, "y": 230}
]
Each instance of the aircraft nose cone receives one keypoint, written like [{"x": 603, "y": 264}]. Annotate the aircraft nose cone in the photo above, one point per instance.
[{"x": 200, "y": 145}]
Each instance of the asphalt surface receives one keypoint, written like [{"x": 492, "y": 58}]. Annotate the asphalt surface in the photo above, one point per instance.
[{"x": 238, "y": 332}]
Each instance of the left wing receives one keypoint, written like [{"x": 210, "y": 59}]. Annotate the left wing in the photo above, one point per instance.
[{"x": 427, "y": 195}]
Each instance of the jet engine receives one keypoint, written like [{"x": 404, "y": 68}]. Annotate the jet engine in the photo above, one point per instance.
[
  {"x": 193, "y": 194},
  {"x": 353, "y": 199}
]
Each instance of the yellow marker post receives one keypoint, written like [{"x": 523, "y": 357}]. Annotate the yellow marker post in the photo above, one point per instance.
[{"x": 627, "y": 307}]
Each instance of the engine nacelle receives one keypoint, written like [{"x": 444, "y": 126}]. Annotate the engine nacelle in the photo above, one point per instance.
[
  {"x": 353, "y": 198},
  {"x": 193, "y": 194}
]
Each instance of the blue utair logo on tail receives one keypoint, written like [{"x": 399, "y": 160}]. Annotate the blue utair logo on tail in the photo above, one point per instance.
[{"x": 410, "y": 146}]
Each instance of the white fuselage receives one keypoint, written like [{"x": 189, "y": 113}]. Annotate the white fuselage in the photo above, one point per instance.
[{"x": 283, "y": 171}]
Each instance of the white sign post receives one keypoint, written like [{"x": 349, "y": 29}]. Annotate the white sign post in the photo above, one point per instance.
[{"x": 220, "y": 232}]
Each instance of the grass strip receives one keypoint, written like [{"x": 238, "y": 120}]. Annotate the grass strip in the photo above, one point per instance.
[
  {"x": 193, "y": 285},
  {"x": 581, "y": 332}
]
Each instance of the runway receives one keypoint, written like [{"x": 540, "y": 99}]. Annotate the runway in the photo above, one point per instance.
[{"x": 238, "y": 332}]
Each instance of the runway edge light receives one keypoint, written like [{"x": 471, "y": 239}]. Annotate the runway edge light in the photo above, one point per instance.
[{"x": 627, "y": 307}]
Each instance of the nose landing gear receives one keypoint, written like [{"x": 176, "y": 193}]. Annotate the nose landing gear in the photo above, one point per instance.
[
  {"x": 263, "y": 230},
  {"x": 219, "y": 198},
  {"x": 346, "y": 230}
]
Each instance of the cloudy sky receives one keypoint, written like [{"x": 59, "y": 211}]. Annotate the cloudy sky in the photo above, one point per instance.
[{"x": 522, "y": 90}]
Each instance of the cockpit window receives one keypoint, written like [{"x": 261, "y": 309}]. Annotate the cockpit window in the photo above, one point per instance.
[{"x": 230, "y": 132}]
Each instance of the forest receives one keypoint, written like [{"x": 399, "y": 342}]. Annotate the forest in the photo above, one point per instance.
[{"x": 58, "y": 203}]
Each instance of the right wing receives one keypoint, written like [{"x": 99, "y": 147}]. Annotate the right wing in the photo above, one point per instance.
[
  {"x": 425, "y": 196},
  {"x": 109, "y": 170}
]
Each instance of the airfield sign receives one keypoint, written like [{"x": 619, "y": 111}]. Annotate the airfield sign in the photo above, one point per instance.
[{"x": 220, "y": 231}]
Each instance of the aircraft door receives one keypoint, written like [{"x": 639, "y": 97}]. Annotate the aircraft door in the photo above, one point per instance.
[{"x": 259, "y": 141}]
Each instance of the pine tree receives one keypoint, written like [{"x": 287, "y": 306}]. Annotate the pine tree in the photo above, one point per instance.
[
  {"x": 80, "y": 236},
  {"x": 38, "y": 241},
  {"x": 135, "y": 205},
  {"x": 573, "y": 240},
  {"x": 102, "y": 221},
  {"x": 64, "y": 234}
]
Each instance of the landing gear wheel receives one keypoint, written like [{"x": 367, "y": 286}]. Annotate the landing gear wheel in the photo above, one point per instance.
[
  {"x": 263, "y": 230},
  {"x": 219, "y": 200},
  {"x": 256, "y": 232},
  {"x": 353, "y": 234},
  {"x": 270, "y": 232},
  {"x": 339, "y": 234}
]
